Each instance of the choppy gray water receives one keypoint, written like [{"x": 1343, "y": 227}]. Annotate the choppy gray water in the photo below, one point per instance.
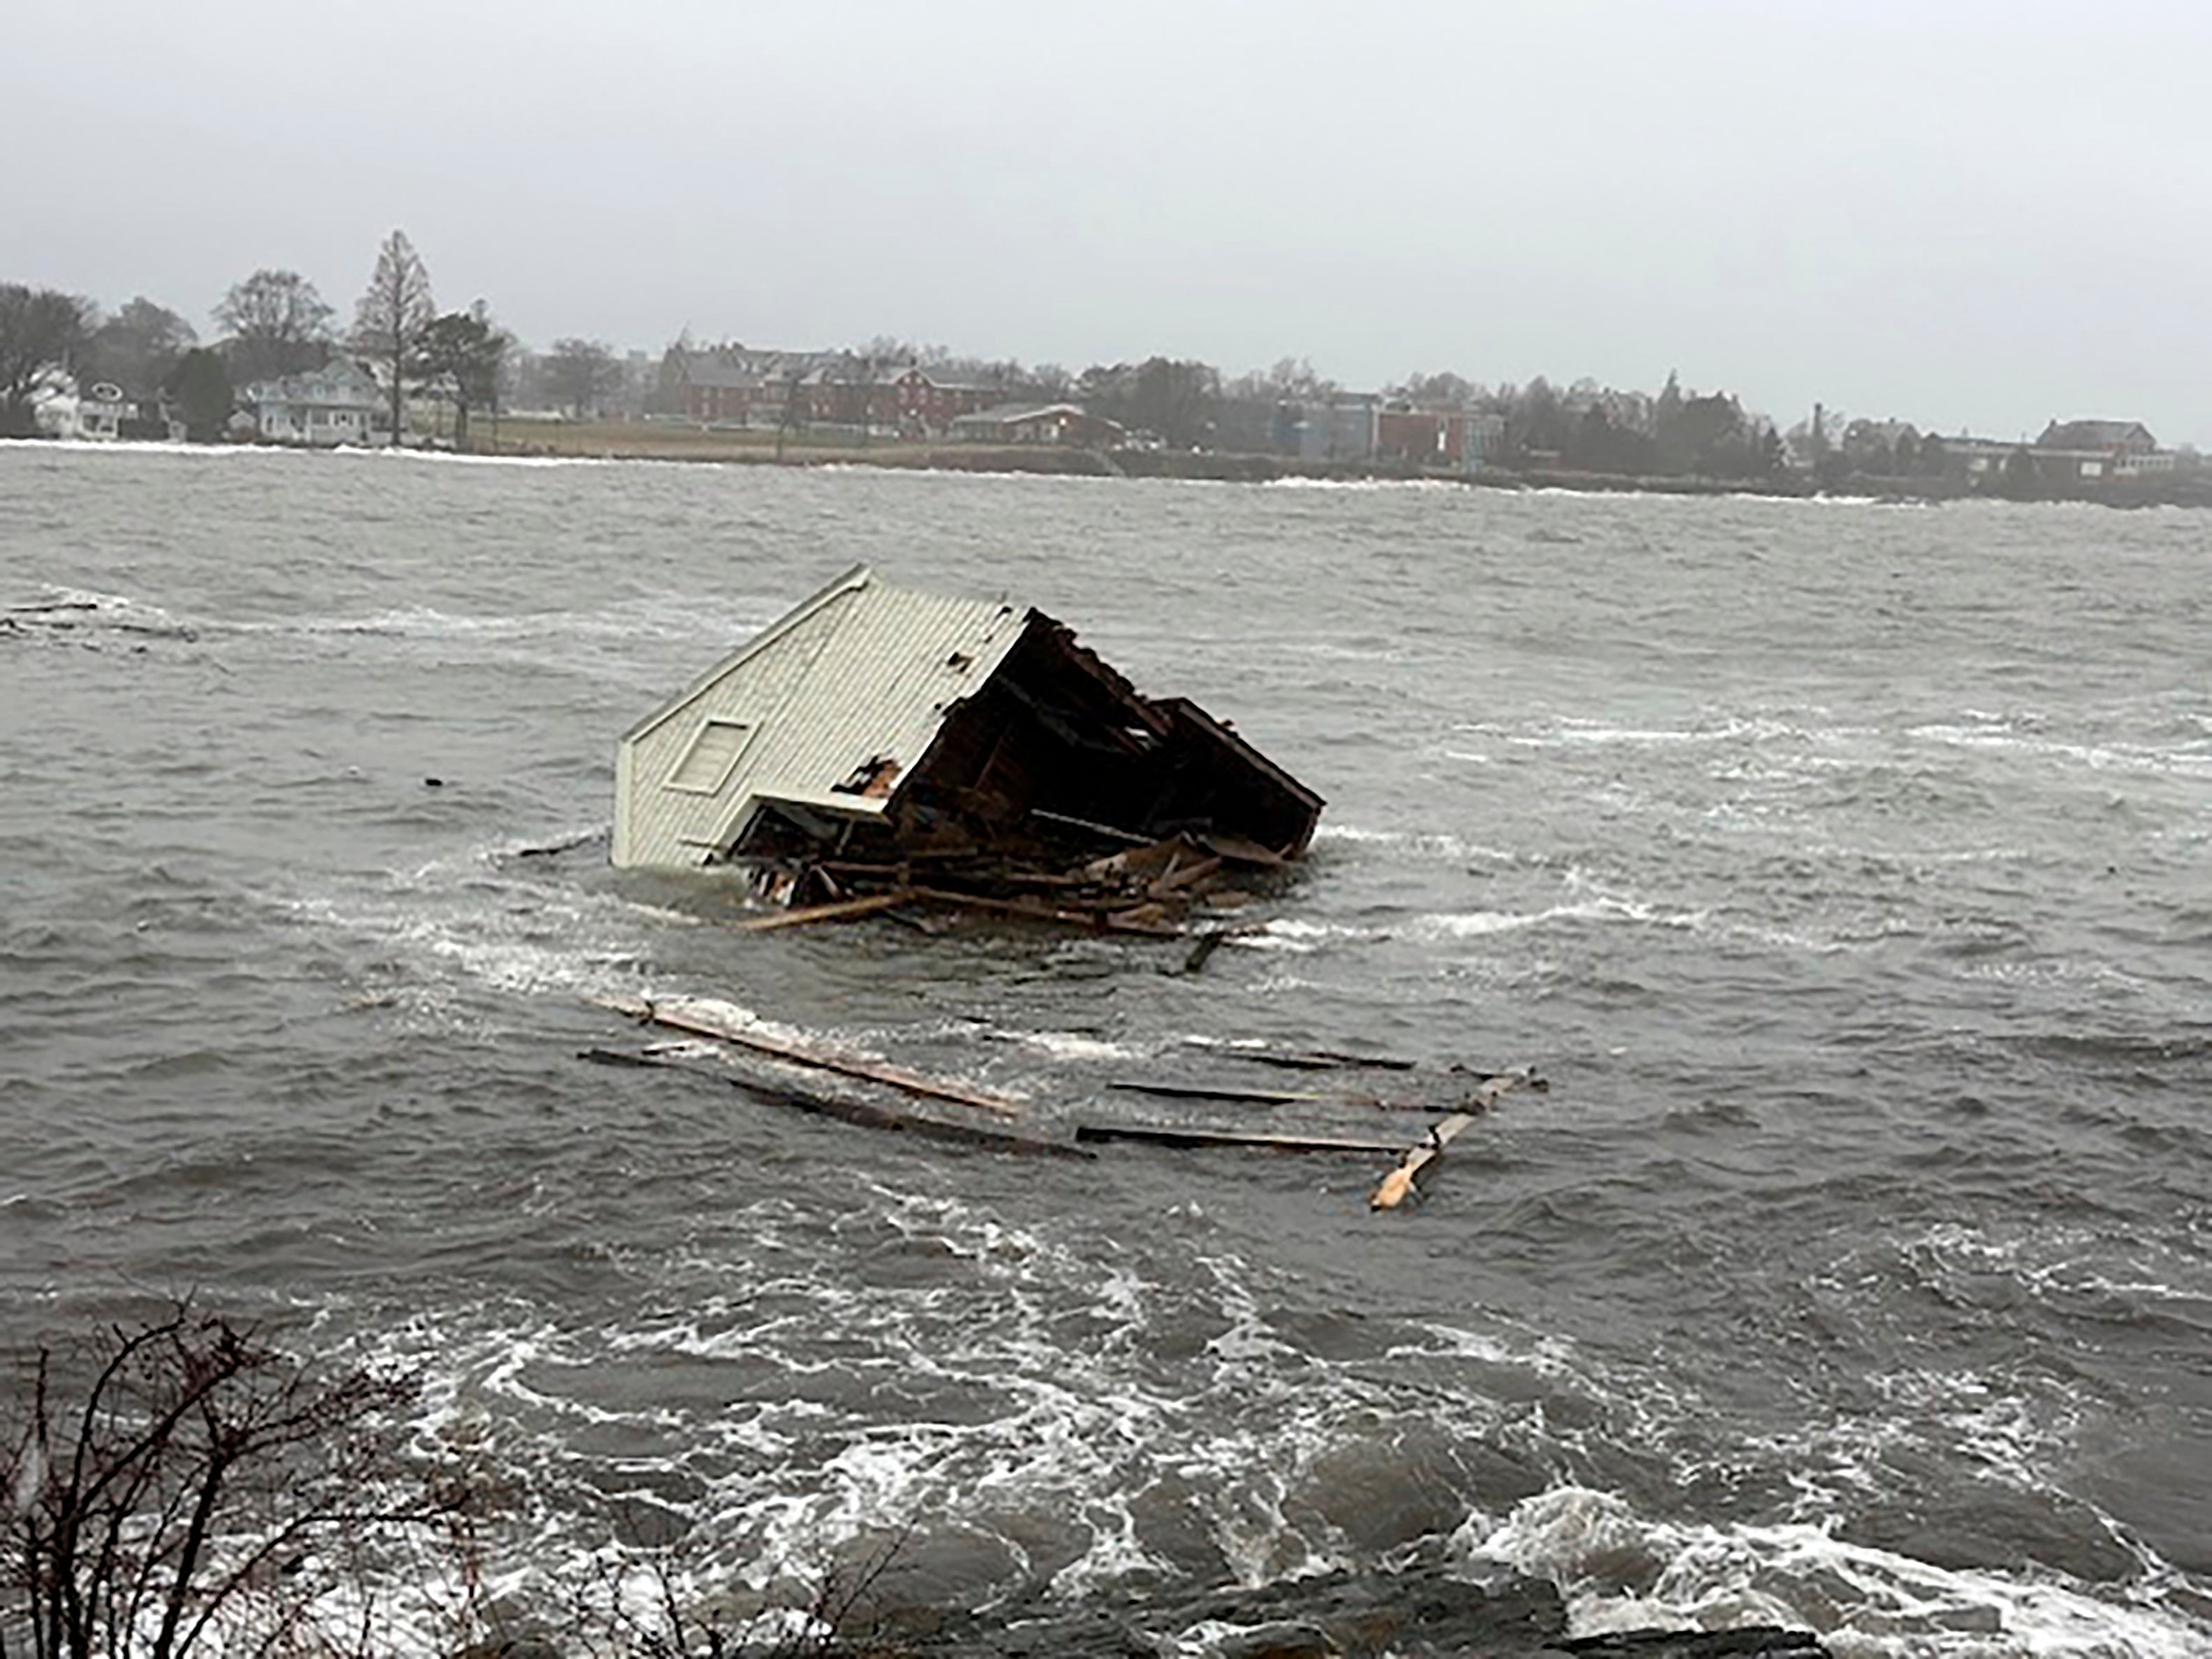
[{"x": 1846, "y": 866}]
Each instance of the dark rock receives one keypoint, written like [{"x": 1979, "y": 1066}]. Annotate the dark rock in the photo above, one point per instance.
[
  {"x": 510, "y": 1647},
  {"x": 1425, "y": 1613},
  {"x": 1753, "y": 1642},
  {"x": 1354, "y": 1615},
  {"x": 1287, "y": 1639}
]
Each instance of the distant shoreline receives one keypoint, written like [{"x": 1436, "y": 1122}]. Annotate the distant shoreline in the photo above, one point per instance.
[
  {"x": 633, "y": 441},
  {"x": 611, "y": 440}
]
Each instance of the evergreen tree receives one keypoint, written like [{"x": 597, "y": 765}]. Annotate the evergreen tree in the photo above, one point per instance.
[
  {"x": 201, "y": 385},
  {"x": 1667, "y": 435},
  {"x": 460, "y": 359}
]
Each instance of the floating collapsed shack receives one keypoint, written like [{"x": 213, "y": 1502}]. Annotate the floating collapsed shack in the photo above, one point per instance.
[{"x": 880, "y": 749}]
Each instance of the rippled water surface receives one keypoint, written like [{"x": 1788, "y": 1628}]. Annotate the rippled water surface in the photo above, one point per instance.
[{"x": 1845, "y": 867}]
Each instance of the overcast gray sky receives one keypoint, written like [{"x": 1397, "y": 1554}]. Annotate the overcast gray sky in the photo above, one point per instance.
[{"x": 1965, "y": 213}]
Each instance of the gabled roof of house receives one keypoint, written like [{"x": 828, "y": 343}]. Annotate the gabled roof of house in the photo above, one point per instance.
[
  {"x": 341, "y": 380},
  {"x": 883, "y": 667},
  {"x": 746, "y": 365},
  {"x": 718, "y": 372},
  {"x": 2094, "y": 435},
  {"x": 1009, "y": 414}
]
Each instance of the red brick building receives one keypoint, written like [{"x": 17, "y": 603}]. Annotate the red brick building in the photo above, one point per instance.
[{"x": 736, "y": 386}]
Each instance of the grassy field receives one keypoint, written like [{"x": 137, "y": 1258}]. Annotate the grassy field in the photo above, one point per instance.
[{"x": 677, "y": 440}]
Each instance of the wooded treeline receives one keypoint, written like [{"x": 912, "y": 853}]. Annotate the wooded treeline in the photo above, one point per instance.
[{"x": 274, "y": 323}]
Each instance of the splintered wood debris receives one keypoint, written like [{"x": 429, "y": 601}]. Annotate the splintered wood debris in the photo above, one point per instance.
[
  {"x": 722, "y": 1041},
  {"x": 879, "y": 751}
]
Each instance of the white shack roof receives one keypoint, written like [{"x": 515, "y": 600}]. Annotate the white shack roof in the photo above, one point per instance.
[{"x": 860, "y": 671}]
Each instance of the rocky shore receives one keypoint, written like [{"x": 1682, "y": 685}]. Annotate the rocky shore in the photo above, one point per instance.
[{"x": 1417, "y": 1614}]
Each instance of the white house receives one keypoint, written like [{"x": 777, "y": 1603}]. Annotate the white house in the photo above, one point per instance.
[
  {"x": 337, "y": 404},
  {"x": 63, "y": 409}
]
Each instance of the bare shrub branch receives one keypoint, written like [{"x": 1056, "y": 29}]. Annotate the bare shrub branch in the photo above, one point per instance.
[{"x": 197, "y": 1486}]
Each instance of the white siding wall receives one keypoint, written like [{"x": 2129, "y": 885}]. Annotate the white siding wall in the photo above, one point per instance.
[
  {"x": 869, "y": 671},
  {"x": 657, "y": 825}
]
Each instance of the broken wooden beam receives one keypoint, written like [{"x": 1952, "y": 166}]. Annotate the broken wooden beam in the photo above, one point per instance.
[
  {"x": 703, "y": 1018},
  {"x": 1212, "y": 1091},
  {"x": 1239, "y": 849},
  {"x": 1106, "y": 832},
  {"x": 1185, "y": 1134},
  {"x": 1209, "y": 941},
  {"x": 864, "y": 1113},
  {"x": 1034, "y": 912},
  {"x": 1397, "y": 1186},
  {"x": 842, "y": 910},
  {"x": 1236, "y": 1094},
  {"x": 1303, "y": 1059},
  {"x": 1177, "y": 878}
]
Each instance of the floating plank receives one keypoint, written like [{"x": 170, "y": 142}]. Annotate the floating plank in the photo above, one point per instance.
[
  {"x": 1396, "y": 1186},
  {"x": 1034, "y": 912},
  {"x": 1210, "y": 1092},
  {"x": 1208, "y": 942},
  {"x": 873, "y": 1117},
  {"x": 1183, "y": 1135},
  {"x": 1178, "y": 877},
  {"x": 687, "y": 1014},
  {"x": 843, "y": 910},
  {"x": 1239, "y": 850},
  {"x": 1277, "y": 1096},
  {"x": 1304, "y": 1059}
]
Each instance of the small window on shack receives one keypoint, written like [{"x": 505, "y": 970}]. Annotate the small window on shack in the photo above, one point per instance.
[{"x": 711, "y": 757}]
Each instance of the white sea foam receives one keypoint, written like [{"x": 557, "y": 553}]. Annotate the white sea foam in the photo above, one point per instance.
[
  {"x": 1075, "y": 1045},
  {"x": 1082, "y": 1428},
  {"x": 1426, "y": 844},
  {"x": 1578, "y": 734},
  {"x": 1478, "y": 924},
  {"x": 2188, "y": 761},
  {"x": 1620, "y": 1571},
  {"x": 1297, "y": 934},
  {"x": 1366, "y": 486}
]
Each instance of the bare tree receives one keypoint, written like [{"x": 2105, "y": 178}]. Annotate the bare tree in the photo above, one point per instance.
[
  {"x": 580, "y": 373},
  {"x": 196, "y": 1494},
  {"x": 40, "y": 332},
  {"x": 276, "y": 323},
  {"x": 393, "y": 315}
]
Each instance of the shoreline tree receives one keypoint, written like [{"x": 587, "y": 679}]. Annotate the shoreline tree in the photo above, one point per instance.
[
  {"x": 137, "y": 348},
  {"x": 580, "y": 373},
  {"x": 275, "y": 324},
  {"x": 201, "y": 385},
  {"x": 41, "y": 331},
  {"x": 392, "y": 319},
  {"x": 460, "y": 359}
]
